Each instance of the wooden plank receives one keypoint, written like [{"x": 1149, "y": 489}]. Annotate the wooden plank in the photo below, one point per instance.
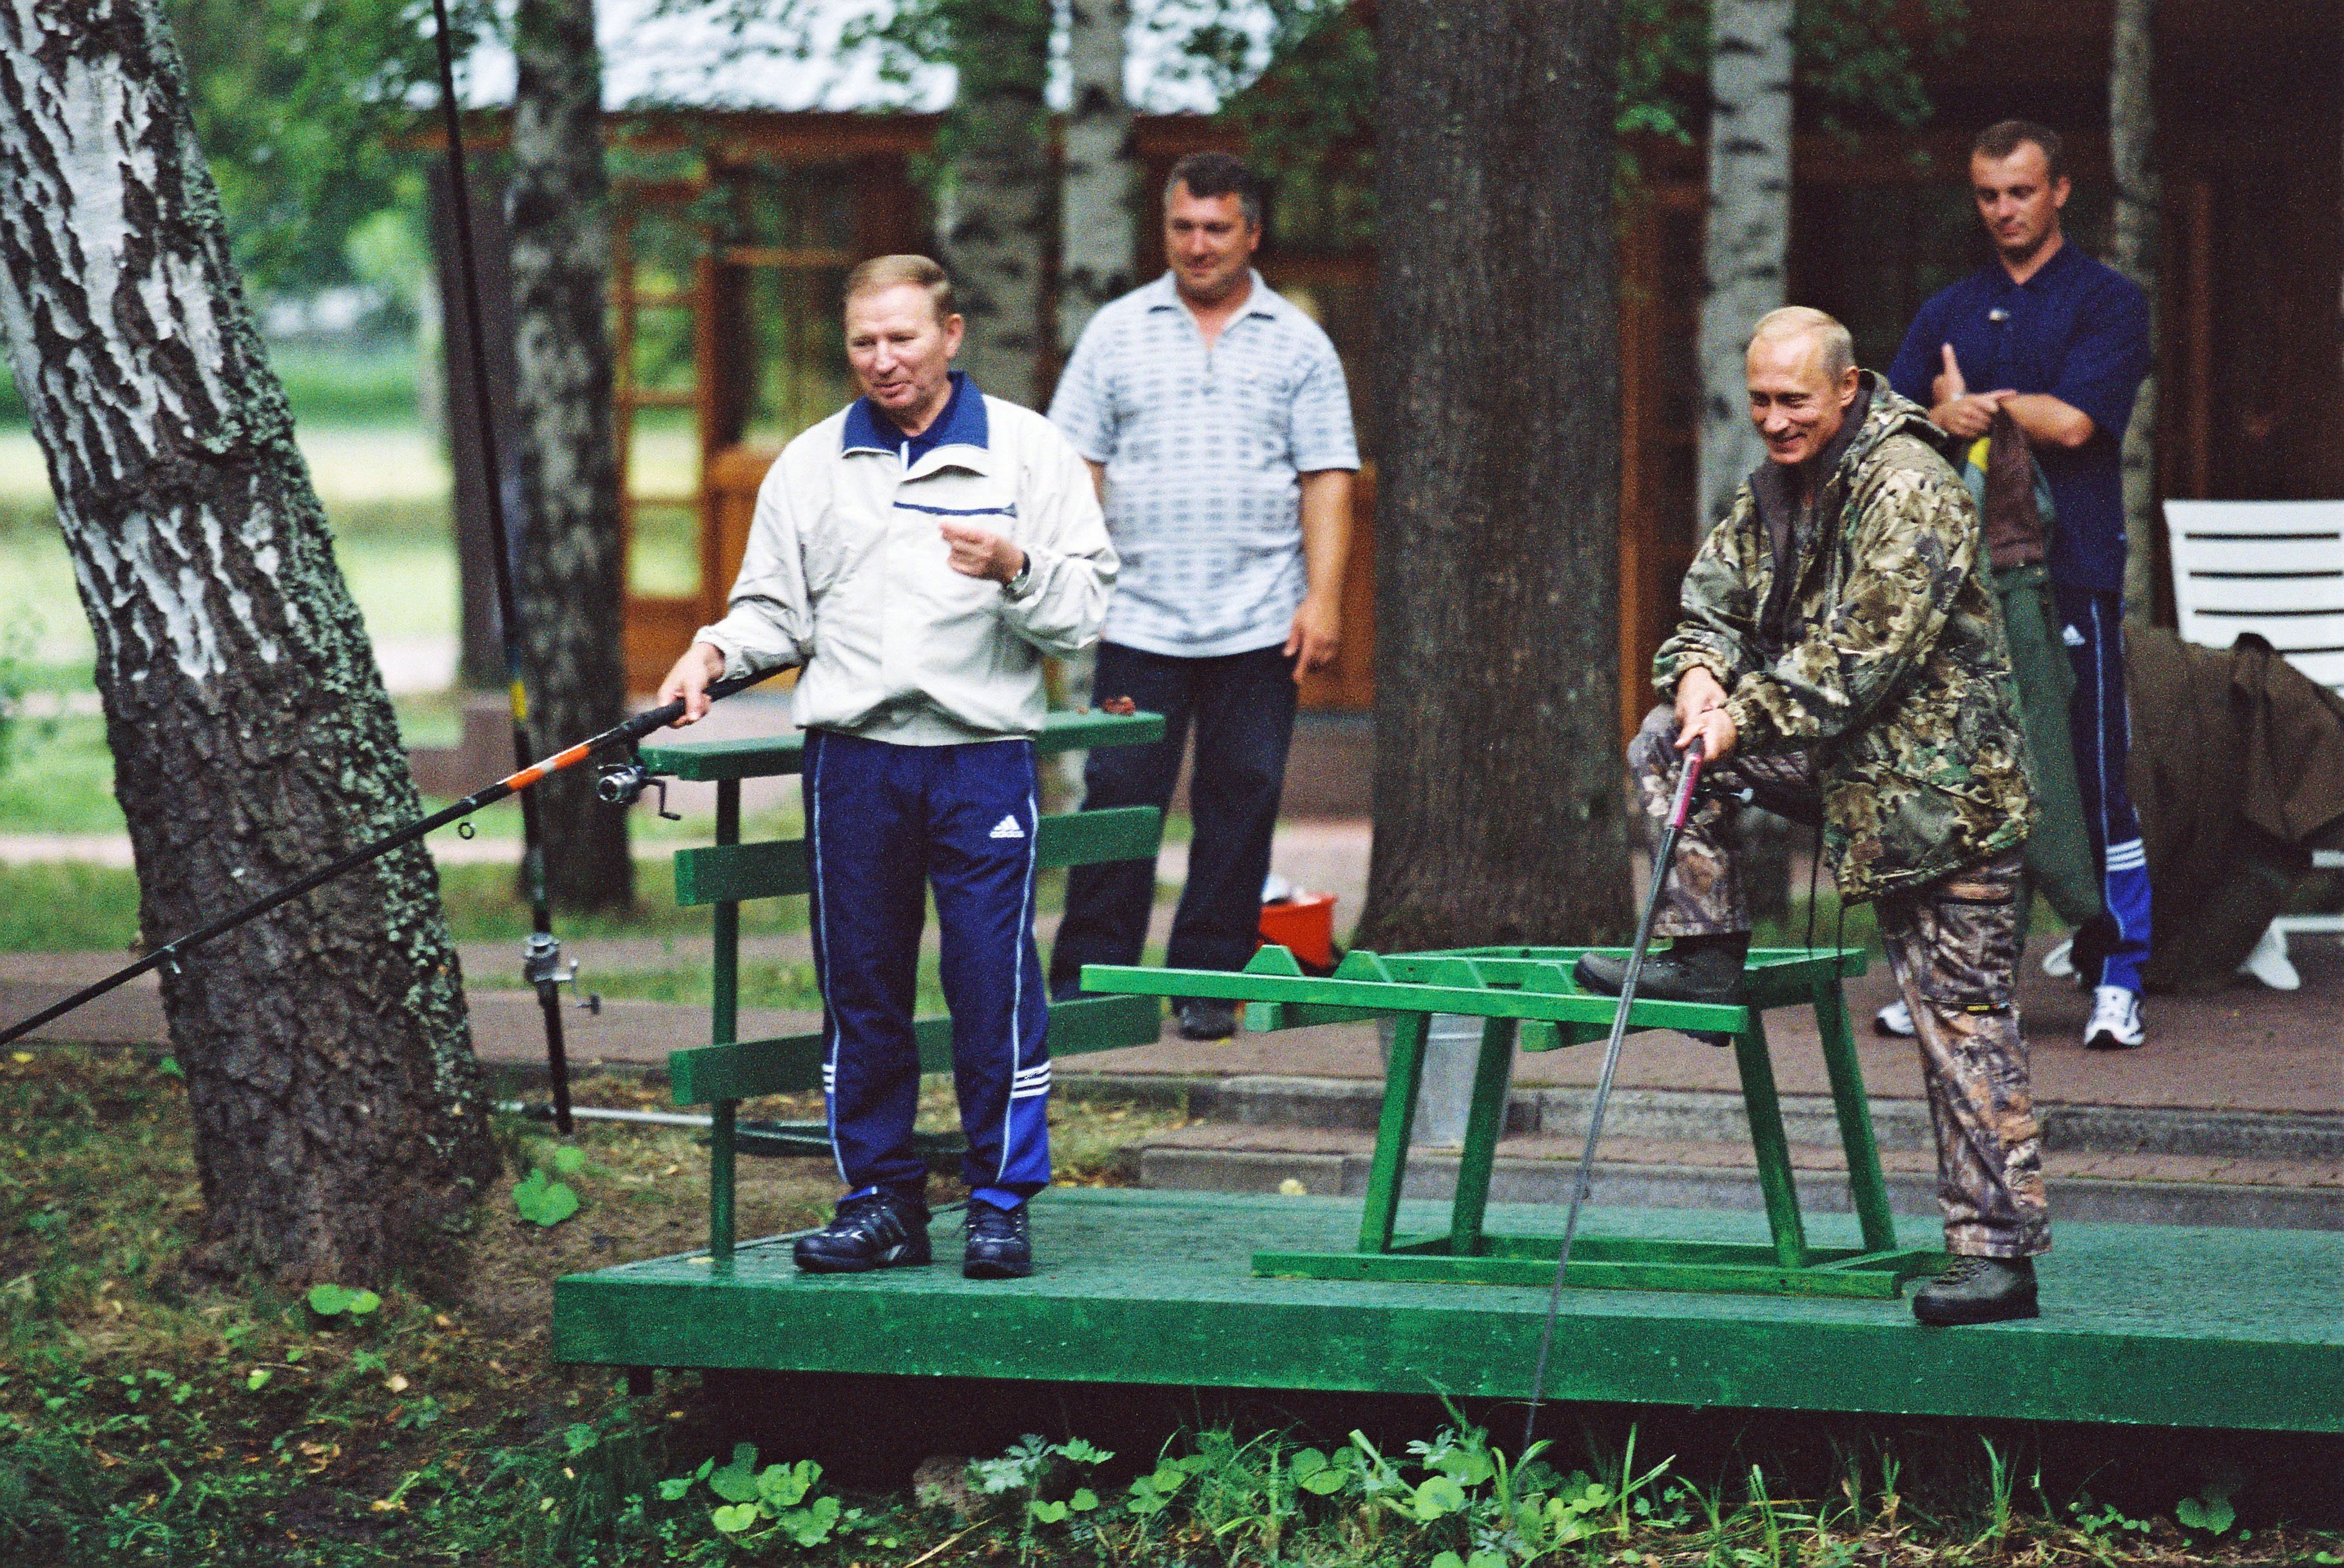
[
  {"x": 777, "y": 869},
  {"x": 1372, "y": 997},
  {"x": 791, "y": 1063},
  {"x": 1585, "y": 1273},
  {"x": 766, "y": 756},
  {"x": 2141, "y": 1324}
]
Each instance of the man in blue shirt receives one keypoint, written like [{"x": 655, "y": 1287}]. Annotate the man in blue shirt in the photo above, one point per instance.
[{"x": 2062, "y": 342}]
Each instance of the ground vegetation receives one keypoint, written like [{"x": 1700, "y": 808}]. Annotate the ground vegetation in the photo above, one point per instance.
[{"x": 415, "y": 1419}]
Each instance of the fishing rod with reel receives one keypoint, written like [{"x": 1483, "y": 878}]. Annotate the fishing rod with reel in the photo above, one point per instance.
[{"x": 620, "y": 784}]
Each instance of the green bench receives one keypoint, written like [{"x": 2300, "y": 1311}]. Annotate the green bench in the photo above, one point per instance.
[
  {"x": 1529, "y": 1000},
  {"x": 729, "y": 1070}
]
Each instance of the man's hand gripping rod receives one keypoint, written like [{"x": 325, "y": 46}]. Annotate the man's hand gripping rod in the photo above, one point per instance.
[
  {"x": 1661, "y": 860},
  {"x": 627, "y": 734}
]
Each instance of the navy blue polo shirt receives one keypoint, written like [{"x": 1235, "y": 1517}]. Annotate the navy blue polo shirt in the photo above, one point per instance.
[{"x": 2078, "y": 329}]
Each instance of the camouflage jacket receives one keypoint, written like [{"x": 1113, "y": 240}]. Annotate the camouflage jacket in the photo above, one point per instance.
[{"x": 1890, "y": 666}]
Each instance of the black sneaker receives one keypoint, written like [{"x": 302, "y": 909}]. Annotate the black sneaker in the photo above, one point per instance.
[
  {"x": 1703, "y": 974},
  {"x": 876, "y": 1230},
  {"x": 1978, "y": 1291},
  {"x": 1205, "y": 1017},
  {"x": 1000, "y": 1243}
]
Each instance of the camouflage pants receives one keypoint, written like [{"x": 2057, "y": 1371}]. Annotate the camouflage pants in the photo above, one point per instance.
[{"x": 1954, "y": 948}]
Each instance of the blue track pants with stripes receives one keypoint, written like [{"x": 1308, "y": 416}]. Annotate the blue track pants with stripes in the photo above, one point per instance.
[
  {"x": 2092, "y": 627},
  {"x": 885, "y": 824}
]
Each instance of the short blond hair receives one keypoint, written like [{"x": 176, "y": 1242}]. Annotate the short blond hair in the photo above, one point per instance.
[
  {"x": 1834, "y": 341},
  {"x": 881, "y": 273}
]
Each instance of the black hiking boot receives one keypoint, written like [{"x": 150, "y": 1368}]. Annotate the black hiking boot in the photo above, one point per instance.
[
  {"x": 1000, "y": 1244},
  {"x": 1978, "y": 1291},
  {"x": 876, "y": 1230},
  {"x": 1697, "y": 969},
  {"x": 1205, "y": 1017}
]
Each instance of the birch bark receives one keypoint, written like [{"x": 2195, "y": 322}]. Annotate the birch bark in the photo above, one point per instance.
[
  {"x": 1498, "y": 804},
  {"x": 1749, "y": 237},
  {"x": 2132, "y": 154},
  {"x": 337, "y": 1108},
  {"x": 1097, "y": 182},
  {"x": 997, "y": 216},
  {"x": 569, "y": 571}
]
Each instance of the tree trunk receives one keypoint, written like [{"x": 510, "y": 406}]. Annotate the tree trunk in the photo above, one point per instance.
[
  {"x": 1097, "y": 239},
  {"x": 1499, "y": 792},
  {"x": 569, "y": 579},
  {"x": 1749, "y": 233},
  {"x": 1744, "y": 257},
  {"x": 997, "y": 223},
  {"x": 337, "y": 1108},
  {"x": 2132, "y": 155}
]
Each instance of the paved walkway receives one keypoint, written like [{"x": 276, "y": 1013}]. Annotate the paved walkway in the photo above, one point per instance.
[{"x": 2246, "y": 1048}]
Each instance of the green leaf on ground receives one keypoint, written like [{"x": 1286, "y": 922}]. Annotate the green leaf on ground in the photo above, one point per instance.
[
  {"x": 2211, "y": 1512},
  {"x": 544, "y": 1201},
  {"x": 569, "y": 1159},
  {"x": 737, "y": 1481},
  {"x": 332, "y": 1300}
]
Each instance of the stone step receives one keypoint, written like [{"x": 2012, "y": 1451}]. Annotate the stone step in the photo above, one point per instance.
[
  {"x": 1707, "y": 1116},
  {"x": 1634, "y": 1171}
]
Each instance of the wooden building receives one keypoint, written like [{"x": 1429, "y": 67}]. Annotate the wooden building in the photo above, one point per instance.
[{"x": 728, "y": 269}]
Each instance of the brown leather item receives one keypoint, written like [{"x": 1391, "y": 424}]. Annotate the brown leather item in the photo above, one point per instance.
[{"x": 2014, "y": 535}]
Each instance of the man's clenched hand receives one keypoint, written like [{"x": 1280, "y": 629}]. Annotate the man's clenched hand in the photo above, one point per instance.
[{"x": 981, "y": 552}]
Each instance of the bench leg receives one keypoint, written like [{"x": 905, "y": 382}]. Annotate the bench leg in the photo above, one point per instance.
[
  {"x": 1854, "y": 1110},
  {"x": 1768, "y": 1142},
  {"x": 1485, "y": 1122},
  {"x": 1403, "y": 1075}
]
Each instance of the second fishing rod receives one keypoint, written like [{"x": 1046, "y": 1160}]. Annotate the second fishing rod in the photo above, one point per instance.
[{"x": 621, "y": 786}]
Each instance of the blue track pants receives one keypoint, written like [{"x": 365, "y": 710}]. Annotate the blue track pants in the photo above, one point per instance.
[
  {"x": 885, "y": 824},
  {"x": 2092, "y": 627}
]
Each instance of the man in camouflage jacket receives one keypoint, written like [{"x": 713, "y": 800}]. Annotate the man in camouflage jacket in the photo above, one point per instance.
[{"x": 1841, "y": 658}]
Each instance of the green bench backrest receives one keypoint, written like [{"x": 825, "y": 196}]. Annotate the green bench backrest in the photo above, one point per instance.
[{"x": 728, "y": 874}]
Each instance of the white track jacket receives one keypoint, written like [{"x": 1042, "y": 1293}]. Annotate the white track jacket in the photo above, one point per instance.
[{"x": 846, "y": 574}]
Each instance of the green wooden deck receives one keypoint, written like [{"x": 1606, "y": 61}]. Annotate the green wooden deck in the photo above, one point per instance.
[{"x": 2148, "y": 1325}]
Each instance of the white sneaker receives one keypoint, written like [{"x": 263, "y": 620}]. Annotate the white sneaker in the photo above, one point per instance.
[
  {"x": 2060, "y": 962},
  {"x": 1894, "y": 1021},
  {"x": 2116, "y": 1020}
]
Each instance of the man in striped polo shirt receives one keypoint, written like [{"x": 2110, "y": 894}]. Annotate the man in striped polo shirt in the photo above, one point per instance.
[{"x": 1214, "y": 417}]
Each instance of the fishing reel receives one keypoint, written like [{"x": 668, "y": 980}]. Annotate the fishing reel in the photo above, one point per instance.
[
  {"x": 541, "y": 967},
  {"x": 622, "y": 783}
]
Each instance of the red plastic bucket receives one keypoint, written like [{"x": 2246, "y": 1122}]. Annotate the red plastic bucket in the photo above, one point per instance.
[{"x": 1304, "y": 926}]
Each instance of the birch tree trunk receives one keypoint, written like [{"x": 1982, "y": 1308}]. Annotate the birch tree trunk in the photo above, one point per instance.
[
  {"x": 1749, "y": 236},
  {"x": 998, "y": 224},
  {"x": 337, "y": 1108},
  {"x": 1097, "y": 181},
  {"x": 568, "y": 578},
  {"x": 2132, "y": 155},
  {"x": 1498, "y": 797}
]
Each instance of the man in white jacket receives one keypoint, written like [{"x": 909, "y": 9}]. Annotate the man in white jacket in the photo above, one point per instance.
[{"x": 917, "y": 555}]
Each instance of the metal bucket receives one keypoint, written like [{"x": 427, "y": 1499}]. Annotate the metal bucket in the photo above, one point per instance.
[{"x": 1444, "y": 1098}]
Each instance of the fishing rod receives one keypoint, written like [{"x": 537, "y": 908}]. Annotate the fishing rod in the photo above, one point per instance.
[
  {"x": 1661, "y": 860},
  {"x": 542, "y": 953},
  {"x": 620, "y": 784}
]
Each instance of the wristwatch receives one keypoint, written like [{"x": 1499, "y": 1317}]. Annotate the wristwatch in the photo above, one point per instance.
[{"x": 1017, "y": 585}]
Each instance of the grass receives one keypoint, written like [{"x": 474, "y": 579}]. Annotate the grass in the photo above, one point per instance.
[{"x": 140, "y": 1424}]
